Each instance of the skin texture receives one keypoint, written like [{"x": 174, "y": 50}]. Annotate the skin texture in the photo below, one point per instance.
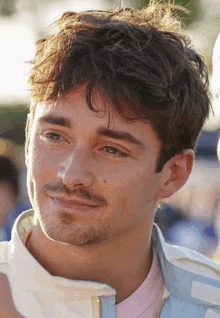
[{"x": 94, "y": 189}]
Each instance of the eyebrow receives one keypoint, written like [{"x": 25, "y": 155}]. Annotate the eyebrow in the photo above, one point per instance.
[
  {"x": 106, "y": 132},
  {"x": 120, "y": 135},
  {"x": 56, "y": 120}
]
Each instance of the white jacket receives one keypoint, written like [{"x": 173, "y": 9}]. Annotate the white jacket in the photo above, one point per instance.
[{"x": 191, "y": 279}]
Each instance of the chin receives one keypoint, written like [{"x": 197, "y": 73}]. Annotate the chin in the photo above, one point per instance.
[{"x": 75, "y": 235}]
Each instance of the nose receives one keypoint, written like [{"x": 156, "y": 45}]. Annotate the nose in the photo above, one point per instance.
[{"x": 75, "y": 171}]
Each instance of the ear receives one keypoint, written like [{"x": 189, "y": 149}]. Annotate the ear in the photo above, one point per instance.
[{"x": 175, "y": 173}]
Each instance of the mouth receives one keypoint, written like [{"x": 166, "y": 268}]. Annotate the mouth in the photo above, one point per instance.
[{"x": 73, "y": 203}]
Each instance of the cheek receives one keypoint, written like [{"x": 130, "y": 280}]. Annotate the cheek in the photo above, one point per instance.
[
  {"x": 127, "y": 180},
  {"x": 124, "y": 190},
  {"x": 38, "y": 169},
  {"x": 139, "y": 190},
  {"x": 40, "y": 164}
]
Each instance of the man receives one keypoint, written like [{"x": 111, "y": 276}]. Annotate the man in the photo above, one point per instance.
[{"x": 118, "y": 100}]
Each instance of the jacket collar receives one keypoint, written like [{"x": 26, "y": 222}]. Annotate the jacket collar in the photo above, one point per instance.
[{"x": 188, "y": 275}]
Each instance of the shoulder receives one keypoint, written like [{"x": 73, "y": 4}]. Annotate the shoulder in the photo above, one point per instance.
[{"x": 191, "y": 279}]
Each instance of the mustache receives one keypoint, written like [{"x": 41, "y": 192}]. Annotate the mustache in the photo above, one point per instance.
[{"x": 83, "y": 194}]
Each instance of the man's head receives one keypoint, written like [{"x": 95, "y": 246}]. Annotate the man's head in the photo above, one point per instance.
[
  {"x": 118, "y": 101},
  {"x": 136, "y": 58}
]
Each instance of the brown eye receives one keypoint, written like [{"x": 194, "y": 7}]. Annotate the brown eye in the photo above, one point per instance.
[
  {"x": 53, "y": 136},
  {"x": 115, "y": 151}
]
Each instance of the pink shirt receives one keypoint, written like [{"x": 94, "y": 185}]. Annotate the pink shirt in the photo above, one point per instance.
[{"x": 146, "y": 301}]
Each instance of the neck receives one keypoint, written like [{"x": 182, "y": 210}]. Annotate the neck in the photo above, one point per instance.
[{"x": 110, "y": 262}]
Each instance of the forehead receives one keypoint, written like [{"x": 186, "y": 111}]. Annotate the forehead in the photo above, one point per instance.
[
  {"x": 75, "y": 103},
  {"x": 74, "y": 107}
]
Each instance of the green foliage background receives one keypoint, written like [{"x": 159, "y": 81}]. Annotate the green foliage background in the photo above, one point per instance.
[
  {"x": 12, "y": 123},
  {"x": 192, "y": 6}
]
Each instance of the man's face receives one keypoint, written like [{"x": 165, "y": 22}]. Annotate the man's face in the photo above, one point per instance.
[{"x": 89, "y": 180}]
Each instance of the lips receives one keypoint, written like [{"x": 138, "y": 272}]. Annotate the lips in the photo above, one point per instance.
[{"x": 73, "y": 203}]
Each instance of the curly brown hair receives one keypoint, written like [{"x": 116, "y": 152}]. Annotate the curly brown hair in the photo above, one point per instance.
[{"x": 139, "y": 59}]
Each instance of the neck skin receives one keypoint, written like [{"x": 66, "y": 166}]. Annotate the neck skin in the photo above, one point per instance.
[{"x": 110, "y": 262}]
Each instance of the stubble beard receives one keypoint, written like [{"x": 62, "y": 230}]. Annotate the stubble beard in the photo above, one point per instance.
[{"x": 69, "y": 232}]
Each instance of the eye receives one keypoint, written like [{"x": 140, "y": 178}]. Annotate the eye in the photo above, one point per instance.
[
  {"x": 115, "y": 152},
  {"x": 52, "y": 136}
]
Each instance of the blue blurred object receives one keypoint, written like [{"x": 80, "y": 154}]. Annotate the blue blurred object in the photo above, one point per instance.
[
  {"x": 178, "y": 229},
  {"x": 166, "y": 216},
  {"x": 195, "y": 234},
  {"x": 207, "y": 144}
]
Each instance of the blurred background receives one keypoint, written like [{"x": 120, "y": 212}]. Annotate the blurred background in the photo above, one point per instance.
[{"x": 189, "y": 218}]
